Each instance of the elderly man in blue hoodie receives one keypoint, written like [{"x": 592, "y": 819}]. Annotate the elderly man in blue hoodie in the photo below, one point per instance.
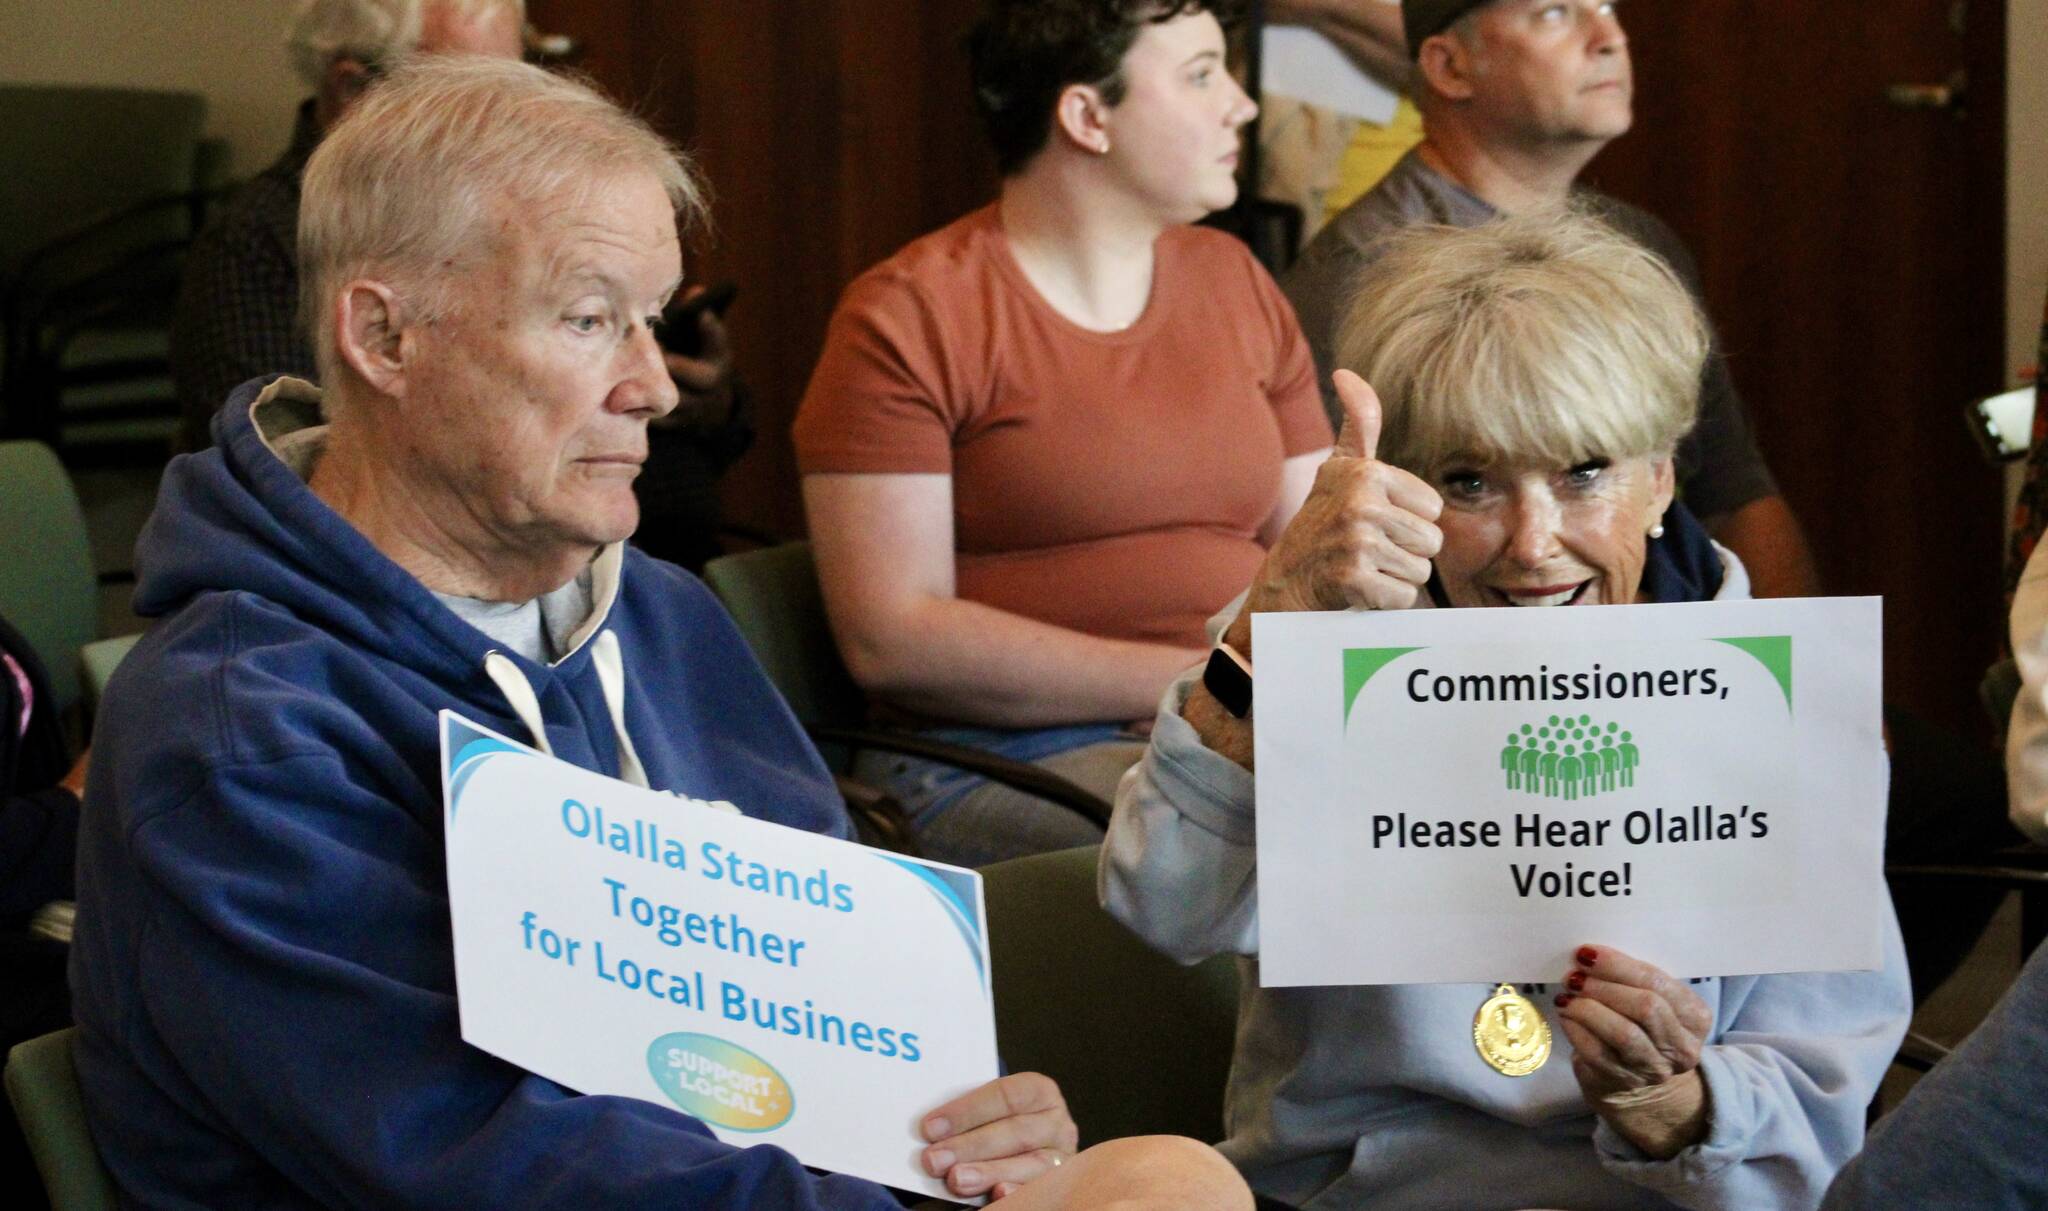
[{"x": 264, "y": 979}]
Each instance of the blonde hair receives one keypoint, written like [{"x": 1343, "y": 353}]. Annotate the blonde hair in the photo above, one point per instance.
[
  {"x": 407, "y": 188},
  {"x": 1548, "y": 337},
  {"x": 378, "y": 33}
]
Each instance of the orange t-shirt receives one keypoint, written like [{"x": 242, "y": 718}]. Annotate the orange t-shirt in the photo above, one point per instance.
[{"x": 1108, "y": 482}]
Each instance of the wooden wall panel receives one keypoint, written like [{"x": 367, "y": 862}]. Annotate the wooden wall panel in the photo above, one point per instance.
[
  {"x": 1851, "y": 251},
  {"x": 832, "y": 131},
  {"x": 1853, "y": 259}
]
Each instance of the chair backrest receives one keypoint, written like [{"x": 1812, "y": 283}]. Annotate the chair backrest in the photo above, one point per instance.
[
  {"x": 76, "y": 153},
  {"x": 1139, "y": 1044},
  {"x": 43, "y": 1086},
  {"x": 48, "y": 590},
  {"x": 773, "y": 595}
]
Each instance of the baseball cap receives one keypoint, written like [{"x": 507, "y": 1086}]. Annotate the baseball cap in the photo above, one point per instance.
[{"x": 1425, "y": 19}]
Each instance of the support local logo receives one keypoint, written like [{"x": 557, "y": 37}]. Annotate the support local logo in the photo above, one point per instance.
[{"x": 721, "y": 1083}]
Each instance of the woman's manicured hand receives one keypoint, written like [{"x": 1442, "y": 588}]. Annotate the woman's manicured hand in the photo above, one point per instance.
[{"x": 1637, "y": 1034}]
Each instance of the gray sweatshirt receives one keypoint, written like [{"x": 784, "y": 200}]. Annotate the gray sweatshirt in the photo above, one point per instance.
[
  {"x": 1974, "y": 1132},
  {"x": 1352, "y": 1097}
]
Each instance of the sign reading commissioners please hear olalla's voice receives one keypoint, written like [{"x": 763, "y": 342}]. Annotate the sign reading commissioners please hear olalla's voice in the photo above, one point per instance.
[
  {"x": 780, "y": 986},
  {"x": 1470, "y": 795}
]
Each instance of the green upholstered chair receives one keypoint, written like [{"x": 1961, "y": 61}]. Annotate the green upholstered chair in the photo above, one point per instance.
[
  {"x": 1140, "y": 1044},
  {"x": 773, "y": 595},
  {"x": 100, "y": 658},
  {"x": 44, "y": 1089},
  {"x": 47, "y": 588}
]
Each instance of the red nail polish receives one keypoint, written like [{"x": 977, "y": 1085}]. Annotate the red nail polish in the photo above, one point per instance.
[
  {"x": 1587, "y": 956},
  {"x": 1563, "y": 999},
  {"x": 1576, "y": 981}
]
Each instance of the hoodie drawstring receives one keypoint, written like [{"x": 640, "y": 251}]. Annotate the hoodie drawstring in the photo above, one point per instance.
[
  {"x": 519, "y": 694},
  {"x": 611, "y": 679}
]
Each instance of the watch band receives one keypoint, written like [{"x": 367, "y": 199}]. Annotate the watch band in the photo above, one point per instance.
[{"x": 1229, "y": 678}]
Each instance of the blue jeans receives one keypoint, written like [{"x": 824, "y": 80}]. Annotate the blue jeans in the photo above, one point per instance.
[{"x": 963, "y": 818}]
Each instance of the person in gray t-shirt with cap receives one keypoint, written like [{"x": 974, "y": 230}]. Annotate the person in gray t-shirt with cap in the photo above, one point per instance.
[{"x": 1517, "y": 96}]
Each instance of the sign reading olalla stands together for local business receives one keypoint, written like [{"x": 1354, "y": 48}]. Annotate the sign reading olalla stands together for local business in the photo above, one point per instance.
[
  {"x": 1471, "y": 795},
  {"x": 781, "y": 986}
]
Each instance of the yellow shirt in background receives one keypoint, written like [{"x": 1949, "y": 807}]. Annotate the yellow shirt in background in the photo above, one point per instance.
[{"x": 1371, "y": 155}]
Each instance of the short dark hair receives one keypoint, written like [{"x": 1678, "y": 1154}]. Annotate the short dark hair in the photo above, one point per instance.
[{"x": 1023, "y": 53}]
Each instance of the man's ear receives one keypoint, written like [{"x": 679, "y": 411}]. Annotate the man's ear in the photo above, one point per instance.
[
  {"x": 1082, "y": 118},
  {"x": 370, "y": 335},
  {"x": 1444, "y": 65}
]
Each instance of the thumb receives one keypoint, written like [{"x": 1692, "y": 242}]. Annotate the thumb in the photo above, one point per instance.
[{"x": 1360, "y": 437}]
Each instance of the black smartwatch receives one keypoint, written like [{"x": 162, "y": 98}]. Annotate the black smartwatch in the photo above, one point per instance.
[{"x": 1229, "y": 679}]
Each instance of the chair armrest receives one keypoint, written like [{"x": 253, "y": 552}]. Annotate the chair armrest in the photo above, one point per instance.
[
  {"x": 1920, "y": 1053},
  {"x": 1017, "y": 775},
  {"x": 2018, "y": 867},
  {"x": 882, "y": 818}
]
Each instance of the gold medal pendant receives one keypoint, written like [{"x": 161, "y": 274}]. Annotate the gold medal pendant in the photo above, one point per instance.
[{"x": 1510, "y": 1033}]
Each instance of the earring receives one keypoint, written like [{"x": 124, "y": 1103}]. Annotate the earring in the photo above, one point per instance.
[
  {"x": 1657, "y": 531},
  {"x": 1102, "y": 148}
]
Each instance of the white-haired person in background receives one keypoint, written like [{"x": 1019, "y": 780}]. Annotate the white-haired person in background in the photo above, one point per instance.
[
  {"x": 264, "y": 980},
  {"x": 1536, "y": 375},
  {"x": 237, "y": 314}
]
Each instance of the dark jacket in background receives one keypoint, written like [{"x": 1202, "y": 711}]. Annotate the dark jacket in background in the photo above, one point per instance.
[
  {"x": 39, "y": 825},
  {"x": 38, "y": 842}
]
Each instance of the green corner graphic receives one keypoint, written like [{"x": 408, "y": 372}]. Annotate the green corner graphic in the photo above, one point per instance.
[
  {"x": 1774, "y": 652},
  {"x": 1359, "y": 666}
]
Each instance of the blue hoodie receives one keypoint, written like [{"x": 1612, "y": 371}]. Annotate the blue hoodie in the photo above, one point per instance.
[{"x": 263, "y": 973}]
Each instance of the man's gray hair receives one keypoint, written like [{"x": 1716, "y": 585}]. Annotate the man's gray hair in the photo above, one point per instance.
[
  {"x": 411, "y": 185},
  {"x": 375, "y": 33},
  {"x": 1548, "y": 337}
]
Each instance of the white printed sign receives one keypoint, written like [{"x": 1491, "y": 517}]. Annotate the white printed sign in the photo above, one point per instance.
[
  {"x": 780, "y": 986},
  {"x": 1470, "y": 795}
]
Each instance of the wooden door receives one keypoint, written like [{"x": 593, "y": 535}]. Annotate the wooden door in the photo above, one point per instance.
[{"x": 1853, "y": 253}]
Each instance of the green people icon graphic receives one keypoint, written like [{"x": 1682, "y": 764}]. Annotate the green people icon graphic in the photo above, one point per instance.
[{"x": 1595, "y": 758}]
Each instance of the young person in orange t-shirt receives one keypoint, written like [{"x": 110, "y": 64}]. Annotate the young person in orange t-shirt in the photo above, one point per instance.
[{"x": 1047, "y": 441}]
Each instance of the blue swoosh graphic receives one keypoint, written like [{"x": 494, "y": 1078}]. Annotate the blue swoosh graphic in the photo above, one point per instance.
[
  {"x": 467, "y": 760},
  {"x": 942, "y": 884}
]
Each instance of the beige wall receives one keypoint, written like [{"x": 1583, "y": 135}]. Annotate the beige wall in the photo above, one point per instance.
[{"x": 230, "y": 50}]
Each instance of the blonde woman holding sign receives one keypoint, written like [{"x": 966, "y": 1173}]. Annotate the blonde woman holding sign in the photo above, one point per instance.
[{"x": 1534, "y": 376}]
